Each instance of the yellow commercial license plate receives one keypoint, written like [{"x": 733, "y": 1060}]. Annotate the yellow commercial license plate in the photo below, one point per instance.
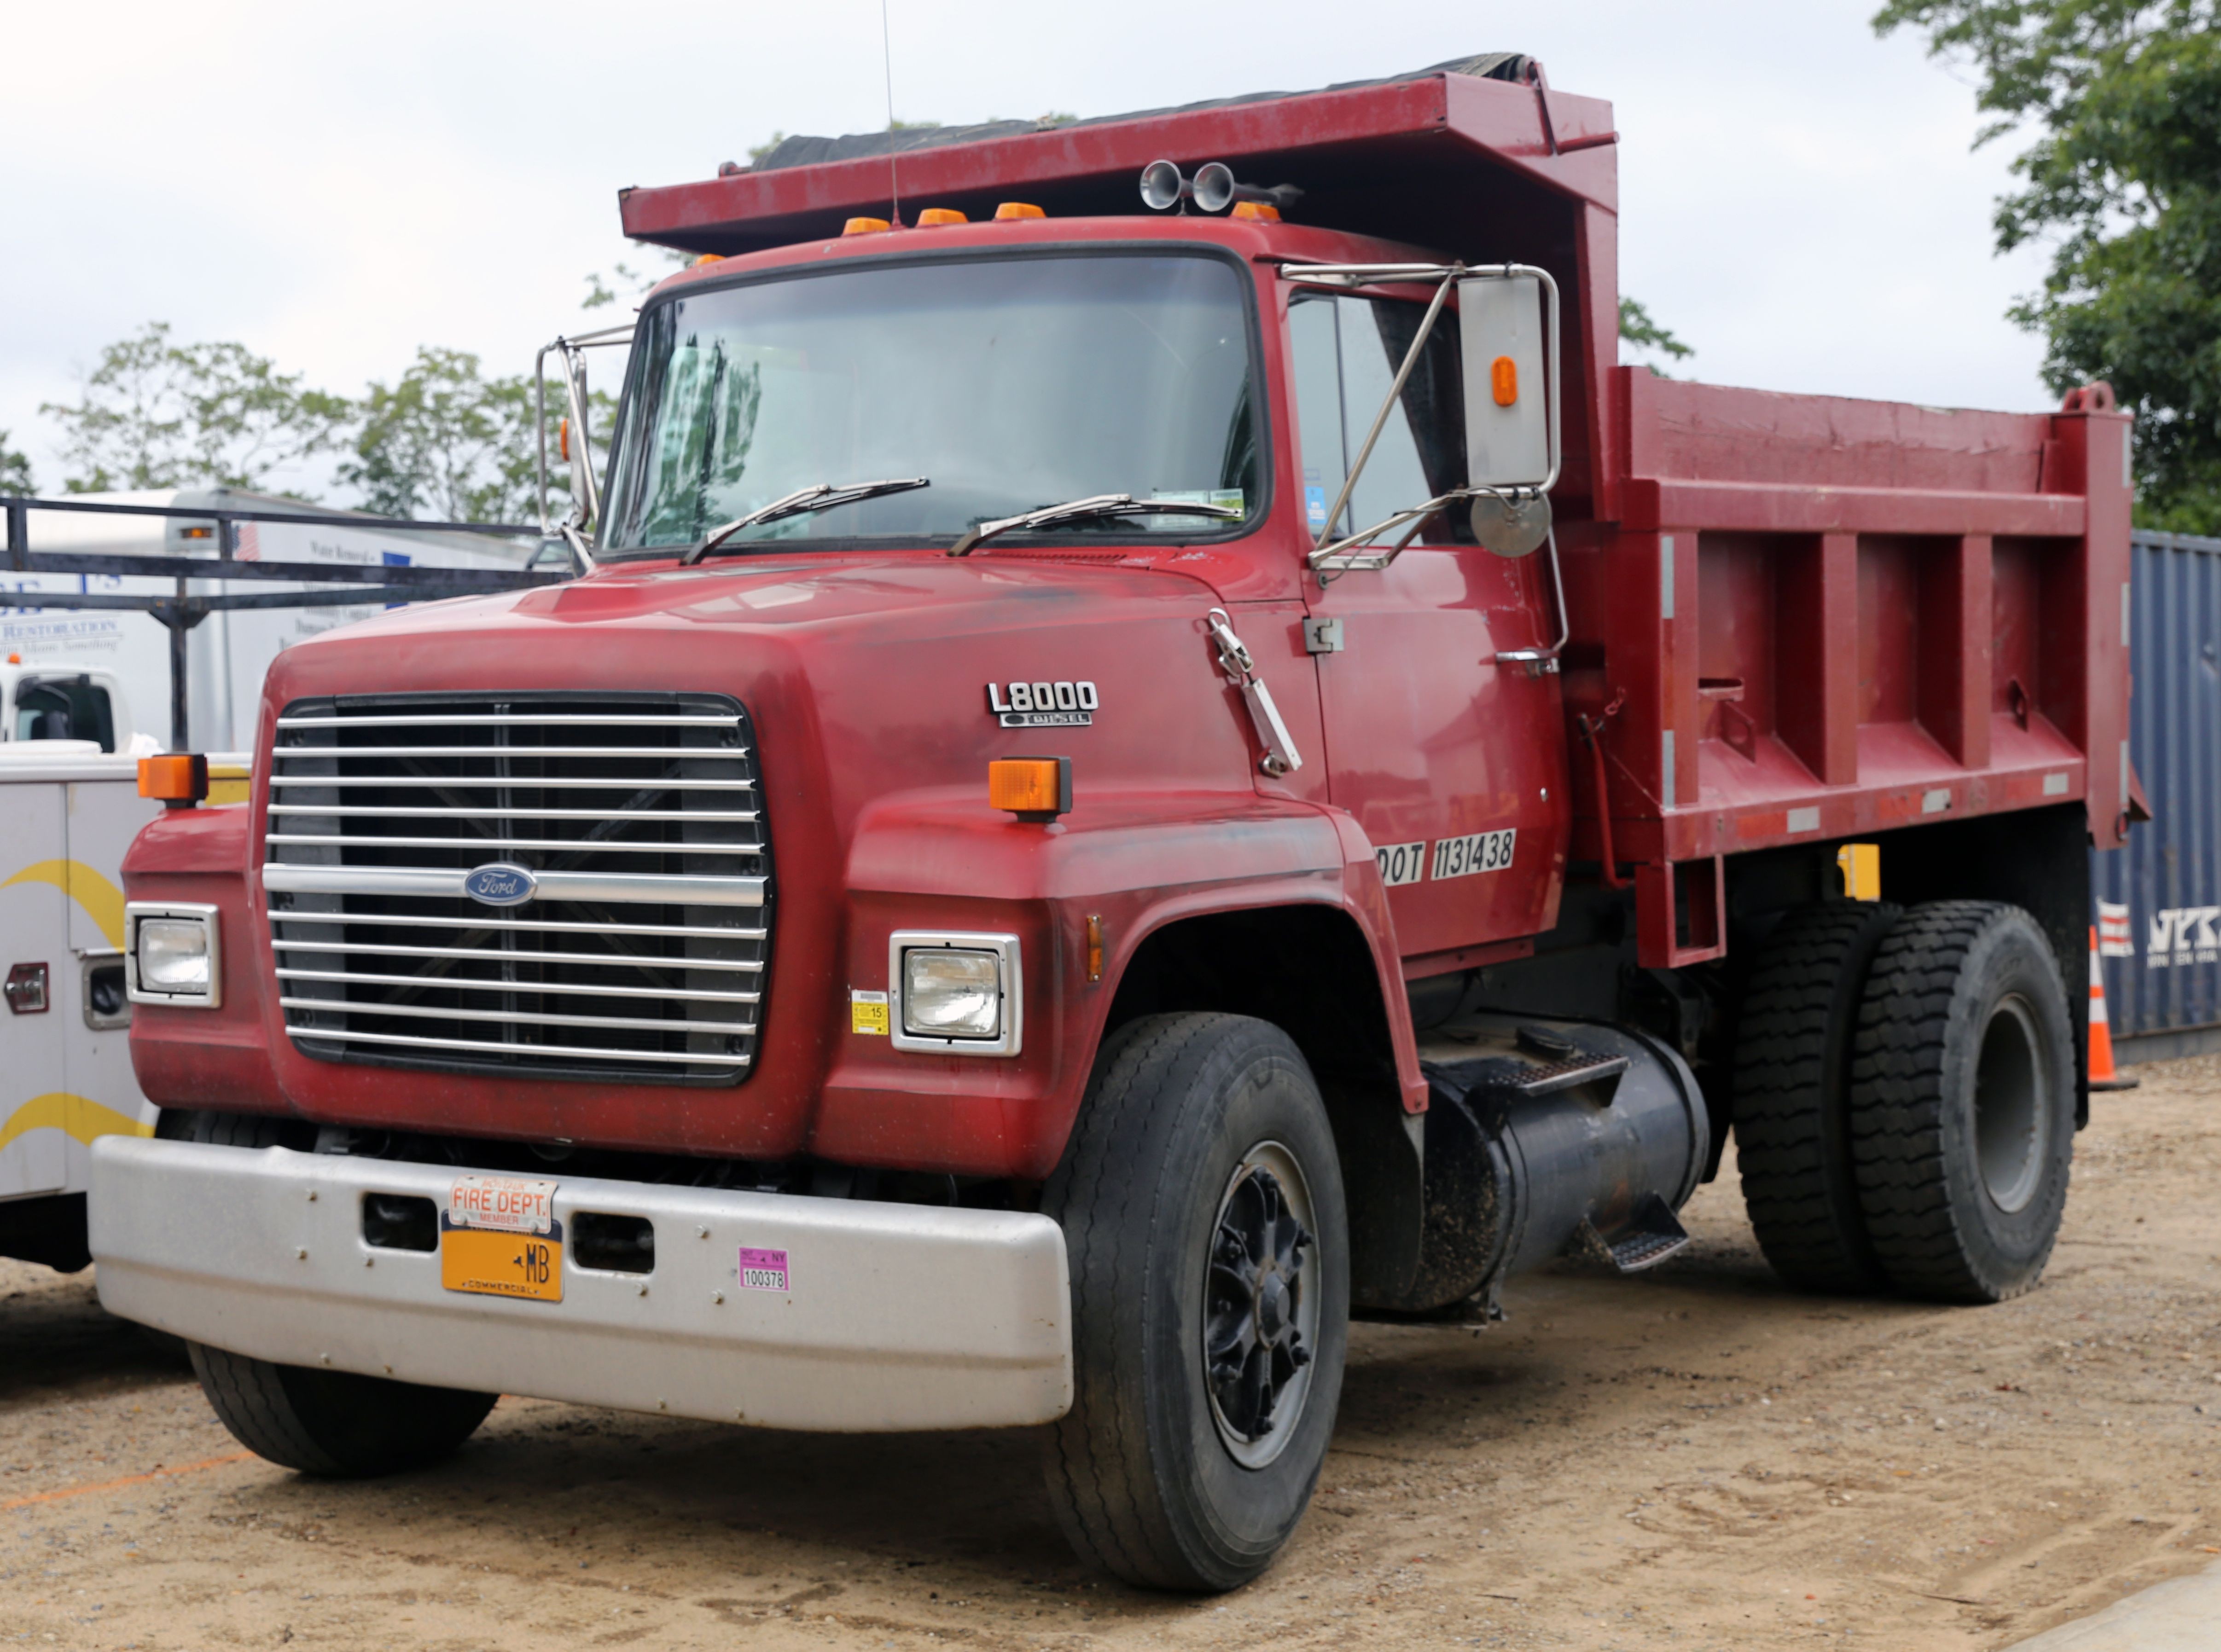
[{"x": 498, "y": 1237}]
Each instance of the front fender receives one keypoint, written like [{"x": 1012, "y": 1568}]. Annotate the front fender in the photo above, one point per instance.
[
  {"x": 1133, "y": 862},
  {"x": 204, "y": 1057}
]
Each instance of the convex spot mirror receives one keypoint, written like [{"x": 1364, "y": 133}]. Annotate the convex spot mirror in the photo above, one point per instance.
[
  {"x": 1508, "y": 408},
  {"x": 1511, "y": 526}
]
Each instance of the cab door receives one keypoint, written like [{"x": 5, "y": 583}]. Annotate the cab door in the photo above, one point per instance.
[{"x": 1454, "y": 765}]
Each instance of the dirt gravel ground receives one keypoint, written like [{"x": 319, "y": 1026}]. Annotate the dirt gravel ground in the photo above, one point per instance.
[{"x": 1695, "y": 1459}]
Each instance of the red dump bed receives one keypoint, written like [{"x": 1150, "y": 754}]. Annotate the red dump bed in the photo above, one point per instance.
[{"x": 1792, "y": 618}]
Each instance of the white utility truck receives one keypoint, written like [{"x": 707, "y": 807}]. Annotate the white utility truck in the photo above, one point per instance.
[{"x": 84, "y": 695}]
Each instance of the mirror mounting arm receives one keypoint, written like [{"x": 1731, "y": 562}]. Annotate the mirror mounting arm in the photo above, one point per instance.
[
  {"x": 1388, "y": 403},
  {"x": 1329, "y": 553},
  {"x": 586, "y": 495}
]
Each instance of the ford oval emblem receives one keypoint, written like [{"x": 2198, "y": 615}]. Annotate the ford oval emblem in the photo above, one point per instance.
[{"x": 499, "y": 884}]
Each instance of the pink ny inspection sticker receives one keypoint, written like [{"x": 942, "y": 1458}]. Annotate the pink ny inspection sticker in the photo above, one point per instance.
[{"x": 763, "y": 1270}]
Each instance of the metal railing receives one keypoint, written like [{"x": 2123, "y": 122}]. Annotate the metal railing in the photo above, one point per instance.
[{"x": 180, "y": 610}]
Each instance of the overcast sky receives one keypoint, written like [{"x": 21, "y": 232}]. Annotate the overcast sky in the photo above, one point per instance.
[{"x": 334, "y": 185}]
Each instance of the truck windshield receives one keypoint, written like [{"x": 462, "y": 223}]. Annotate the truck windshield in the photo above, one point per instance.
[{"x": 1012, "y": 383}]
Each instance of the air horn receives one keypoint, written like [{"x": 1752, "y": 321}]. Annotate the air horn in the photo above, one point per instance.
[{"x": 1212, "y": 188}]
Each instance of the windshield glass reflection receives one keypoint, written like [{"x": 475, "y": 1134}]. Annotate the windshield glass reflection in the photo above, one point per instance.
[{"x": 1013, "y": 383}]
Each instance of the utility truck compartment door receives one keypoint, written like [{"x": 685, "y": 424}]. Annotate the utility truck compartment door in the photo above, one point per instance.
[
  {"x": 34, "y": 920},
  {"x": 1507, "y": 405}
]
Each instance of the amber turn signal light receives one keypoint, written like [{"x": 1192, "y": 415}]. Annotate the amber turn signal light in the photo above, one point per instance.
[
  {"x": 1033, "y": 789},
  {"x": 1504, "y": 381},
  {"x": 180, "y": 779}
]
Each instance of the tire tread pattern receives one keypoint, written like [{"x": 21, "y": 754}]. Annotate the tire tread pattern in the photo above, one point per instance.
[
  {"x": 1104, "y": 1518},
  {"x": 1792, "y": 1154},
  {"x": 1898, "y": 1124},
  {"x": 249, "y": 1398}
]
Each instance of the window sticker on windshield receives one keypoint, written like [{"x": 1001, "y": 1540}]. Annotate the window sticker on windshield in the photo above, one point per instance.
[
  {"x": 1220, "y": 498},
  {"x": 1315, "y": 508},
  {"x": 764, "y": 1271}
]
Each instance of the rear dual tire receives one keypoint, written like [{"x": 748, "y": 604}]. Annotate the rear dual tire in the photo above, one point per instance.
[
  {"x": 1962, "y": 1080},
  {"x": 1904, "y": 1100},
  {"x": 1792, "y": 1102}
]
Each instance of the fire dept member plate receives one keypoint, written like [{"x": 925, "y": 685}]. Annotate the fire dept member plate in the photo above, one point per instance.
[{"x": 498, "y": 1237}]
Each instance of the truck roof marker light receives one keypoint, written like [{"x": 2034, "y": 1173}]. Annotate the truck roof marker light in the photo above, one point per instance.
[
  {"x": 1012, "y": 210},
  {"x": 707, "y": 257},
  {"x": 864, "y": 225},
  {"x": 179, "y": 779},
  {"x": 934, "y": 215},
  {"x": 15, "y": 659},
  {"x": 1504, "y": 381},
  {"x": 1036, "y": 790},
  {"x": 1262, "y": 212}
]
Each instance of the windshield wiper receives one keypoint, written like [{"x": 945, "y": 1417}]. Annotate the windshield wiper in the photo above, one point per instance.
[
  {"x": 801, "y": 503},
  {"x": 1080, "y": 510}
]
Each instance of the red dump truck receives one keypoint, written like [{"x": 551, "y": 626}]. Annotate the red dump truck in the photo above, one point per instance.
[{"x": 1161, "y": 749}]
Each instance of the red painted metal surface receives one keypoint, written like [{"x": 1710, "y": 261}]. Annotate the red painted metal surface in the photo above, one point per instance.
[{"x": 1794, "y": 619}]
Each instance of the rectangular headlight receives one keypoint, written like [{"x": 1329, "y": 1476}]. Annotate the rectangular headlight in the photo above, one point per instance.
[
  {"x": 170, "y": 955},
  {"x": 952, "y": 994},
  {"x": 957, "y": 993}
]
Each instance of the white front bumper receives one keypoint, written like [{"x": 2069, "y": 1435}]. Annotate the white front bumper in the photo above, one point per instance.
[{"x": 896, "y": 1317}]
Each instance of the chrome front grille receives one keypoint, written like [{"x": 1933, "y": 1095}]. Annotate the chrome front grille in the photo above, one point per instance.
[{"x": 642, "y": 954}]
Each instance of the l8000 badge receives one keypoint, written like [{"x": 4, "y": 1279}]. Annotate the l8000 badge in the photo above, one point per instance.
[{"x": 1042, "y": 705}]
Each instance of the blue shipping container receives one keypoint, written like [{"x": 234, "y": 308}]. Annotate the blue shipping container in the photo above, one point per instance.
[{"x": 2163, "y": 966}]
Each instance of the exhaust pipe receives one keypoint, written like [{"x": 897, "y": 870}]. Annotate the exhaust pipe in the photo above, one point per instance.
[{"x": 1554, "y": 1138}]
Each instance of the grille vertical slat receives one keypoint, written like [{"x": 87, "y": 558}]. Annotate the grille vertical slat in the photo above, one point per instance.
[{"x": 642, "y": 956}]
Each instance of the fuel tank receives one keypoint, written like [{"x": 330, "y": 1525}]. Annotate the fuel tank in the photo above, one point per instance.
[{"x": 1547, "y": 1138}]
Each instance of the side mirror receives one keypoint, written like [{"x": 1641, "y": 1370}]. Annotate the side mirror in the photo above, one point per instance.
[
  {"x": 574, "y": 439},
  {"x": 1510, "y": 369}
]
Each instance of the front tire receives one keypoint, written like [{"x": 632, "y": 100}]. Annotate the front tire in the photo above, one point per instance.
[
  {"x": 1962, "y": 1080},
  {"x": 1201, "y": 1205},
  {"x": 334, "y": 1423}
]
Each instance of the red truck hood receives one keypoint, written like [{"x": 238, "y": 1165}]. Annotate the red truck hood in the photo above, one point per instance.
[{"x": 866, "y": 680}]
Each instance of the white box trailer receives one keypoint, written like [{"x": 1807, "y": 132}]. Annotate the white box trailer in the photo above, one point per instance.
[{"x": 227, "y": 653}]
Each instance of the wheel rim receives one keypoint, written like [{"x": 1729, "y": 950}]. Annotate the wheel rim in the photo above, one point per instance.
[
  {"x": 1261, "y": 1305},
  {"x": 2012, "y": 1106}
]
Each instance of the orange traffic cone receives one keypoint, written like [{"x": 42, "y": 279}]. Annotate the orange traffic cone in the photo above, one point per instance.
[{"x": 2103, "y": 1074}]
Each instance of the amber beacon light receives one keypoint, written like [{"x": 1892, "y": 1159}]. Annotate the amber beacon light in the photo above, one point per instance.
[
  {"x": 180, "y": 779},
  {"x": 1033, "y": 789}
]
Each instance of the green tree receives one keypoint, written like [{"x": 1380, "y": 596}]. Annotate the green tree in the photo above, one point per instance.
[
  {"x": 443, "y": 441},
  {"x": 157, "y": 414},
  {"x": 446, "y": 443},
  {"x": 1636, "y": 327},
  {"x": 2122, "y": 102},
  {"x": 15, "y": 469}
]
